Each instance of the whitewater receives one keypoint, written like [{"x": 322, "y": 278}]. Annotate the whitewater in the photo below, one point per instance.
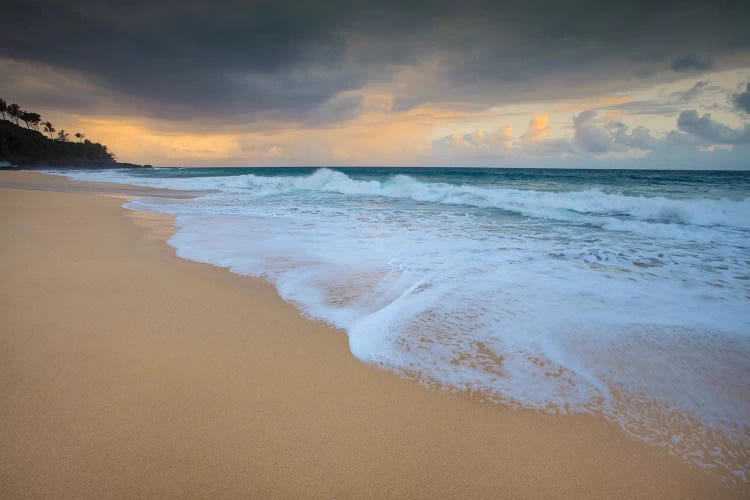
[{"x": 622, "y": 293}]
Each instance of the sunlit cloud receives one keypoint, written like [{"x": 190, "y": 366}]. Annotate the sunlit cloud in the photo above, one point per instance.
[{"x": 539, "y": 129}]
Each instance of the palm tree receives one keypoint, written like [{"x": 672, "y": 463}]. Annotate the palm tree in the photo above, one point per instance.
[
  {"x": 14, "y": 110},
  {"x": 80, "y": 136},
  {"x": 63, "y": 136},
  {"x": 3, "y": 107},
  {"x": 24, "y": 116},
  {"x": 109, "y": 154},
  {"x": 34, "y": 119},
  {"x": 49, "y": 129}
]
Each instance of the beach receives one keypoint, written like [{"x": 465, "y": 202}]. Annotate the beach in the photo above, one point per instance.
[{"x": 126, "y": 371}]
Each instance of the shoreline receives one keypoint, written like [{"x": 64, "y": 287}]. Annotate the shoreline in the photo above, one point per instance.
[{"x": 130, "y": 371}]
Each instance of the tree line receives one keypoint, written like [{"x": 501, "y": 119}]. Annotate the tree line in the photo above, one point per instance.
[
  {"x": 33, "y": 121},
  {"x": 39, "y": 143}
]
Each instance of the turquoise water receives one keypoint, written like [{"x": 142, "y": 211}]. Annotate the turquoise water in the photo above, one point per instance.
[
  {"x": 625, "y": 293},
  {"x": 729, "y": 184}
]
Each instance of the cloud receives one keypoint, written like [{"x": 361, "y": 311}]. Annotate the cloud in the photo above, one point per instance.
[
  {"x": 637, "y": 138},
  {"x": 590, "y": 136},
  {"x": 341, "y": 107},
  {"x": 181, "y": 60},
  {"x": 702, "y": 93},
  {"x": 476, "y": 142},
  {"x": 236, "y": 61},
  {"x": 499, "y": 142},
  {"x": 691, "y": 62},
  {"x": 742, "y": 100},
  {"x": 593, "y": 136},
  {"x": 716, "y": 147},
  {"x": 706, "y": 128},
  {"x": 538, "y": 130},
  {"x": 690, "y": 94}
]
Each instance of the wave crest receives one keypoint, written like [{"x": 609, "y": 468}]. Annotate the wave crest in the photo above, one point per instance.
[{"x": 566, "y": 206}]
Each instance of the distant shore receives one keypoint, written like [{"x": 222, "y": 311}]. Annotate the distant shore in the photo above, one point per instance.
[
  {"x": 127, "y": 371},
  {"x": 25, "y": 148},
  {"x": 67, "y": 164}
]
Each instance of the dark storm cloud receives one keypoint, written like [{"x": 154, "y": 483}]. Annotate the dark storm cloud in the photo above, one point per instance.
[
  {"x": 742, "y": 100},
  {"x": 707, "y": 128},
  {"x": 691, "y": 62},
  {"x": 238, "y": 60},
  {"x": 188, "y": 57}
]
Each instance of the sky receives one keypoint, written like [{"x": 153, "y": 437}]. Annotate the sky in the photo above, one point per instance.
[{"x": 658, "y": 84}]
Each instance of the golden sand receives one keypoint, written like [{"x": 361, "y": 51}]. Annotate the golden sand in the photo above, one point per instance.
[{"x": 128, "y": 372}]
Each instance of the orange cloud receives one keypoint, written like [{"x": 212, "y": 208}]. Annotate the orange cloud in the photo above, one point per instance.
[{"x": 538, "y": 129}]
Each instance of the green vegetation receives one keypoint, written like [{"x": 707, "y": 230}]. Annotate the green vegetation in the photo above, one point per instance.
[{"x": 23, "y": 144}]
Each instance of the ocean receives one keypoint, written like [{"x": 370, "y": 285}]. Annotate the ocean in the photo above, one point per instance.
[{"x": 616, "y": 292}]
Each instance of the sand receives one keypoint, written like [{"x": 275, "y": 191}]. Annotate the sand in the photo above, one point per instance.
[{"x": 128, "y": 372}]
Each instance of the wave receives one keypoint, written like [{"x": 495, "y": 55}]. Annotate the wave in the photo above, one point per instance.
[
  {"x": 545, "y": 204},
  {"x": 609, "y": 210}
]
